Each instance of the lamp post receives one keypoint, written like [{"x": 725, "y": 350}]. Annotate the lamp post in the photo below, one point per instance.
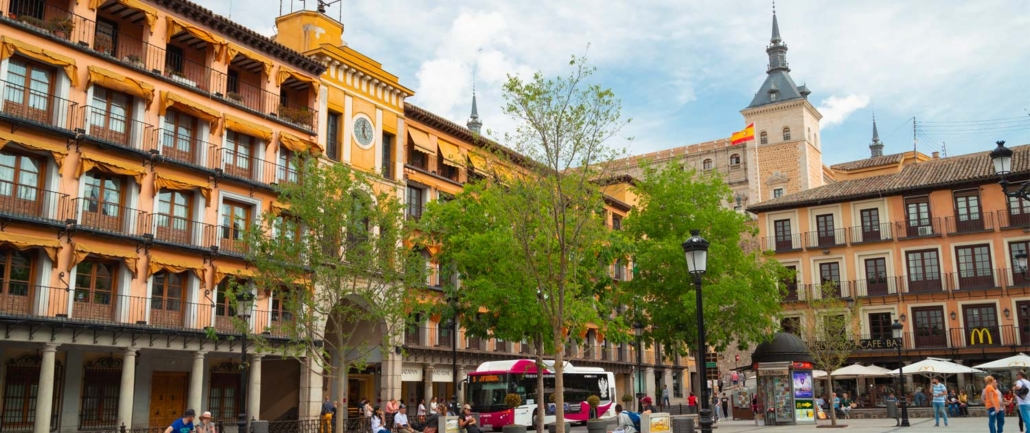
[
  {"x": 244, "y": 304},
  {"x": 696, "y": 250},
  {"x": 1001, "y": 159},
  {"x": 897, "y": 328},
  {"x": 453, "y": 300},
  {"x": 638, "y": 330}
]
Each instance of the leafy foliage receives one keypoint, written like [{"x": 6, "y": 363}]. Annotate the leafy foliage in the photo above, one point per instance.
[{"x": 829, "y": 326}]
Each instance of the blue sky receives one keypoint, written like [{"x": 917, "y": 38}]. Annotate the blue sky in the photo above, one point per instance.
[{"x": 684, "y": 69}]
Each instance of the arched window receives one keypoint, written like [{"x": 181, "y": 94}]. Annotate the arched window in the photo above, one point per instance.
[
  {"x": 765, "y": 138},
  {"x": 707, "y": 164},
  {"x": 809, "y": 134},
  {"x": 786, "y": 133},
  {"x": 735, "y": 159}
]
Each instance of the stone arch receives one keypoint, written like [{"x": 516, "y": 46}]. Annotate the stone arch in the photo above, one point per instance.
[{"x": 364, "y": 339}]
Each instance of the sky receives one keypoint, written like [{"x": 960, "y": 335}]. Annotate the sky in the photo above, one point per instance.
[{"x": 685, "y": 69}]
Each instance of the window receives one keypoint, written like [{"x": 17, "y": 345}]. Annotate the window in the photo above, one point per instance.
[
  {"x": 791, "y": 283},
  {"x": 829, "y": 277},
  {"x": 1017, "y": 274},
  {"x": 232, "y": 81},
  {"x": 235, "y": 222},
  {"x": 224, "y": 396},
  {"x": 100, "y": 387},
  {"x": 616, "y": 222},
  {"x": 416, "y": 158},
  {"x": 677, "y": 380},
  {"x": 174, "y": 216},
  {"x": 95, "y": 283},
  {"x": 174, "y": 59},
  {"x": 102, "y": 199},
  {"x": 166, "y": 294},
  {"x": 1019, "y": 209},
  {"x": 764, "y": 138},
  {"x": 29, "y": 91},
  {"x": 968, "y": 215},
  {"x": 17, "y": 268},
  {"x": 982, "y": 325},
  {"x": 876, "y": 276},
  {"x": 826, "y": 234},
  {"x": 388, "y": 155},
  {"x": 238, "y": 154},
  {"x": 444, "y": 333},
  {"x": 179, "y": 138},
  {"x": 333, "y": 143},
  {"x": 446, "y": 170},
  {"x": 929, "y": 327},
  {"x": 105, "y": 38},
  {"x": 784, "y": 239},
  {"x": 109, "y": 115},
  {"x": 281, "y": 305},
  {"x": 924, "y": 272},
  {"x": 223, "y": 307},
  {"x": 414, "y": 206},
  {"x": 620, "y": 270},
  {"x": 286, "y": 228},
  {"x": 786, "y": 134},
  {"x": 791, "y": 325},
  {"x": 735, "y": 159},
  {"x": 20, "y": 392},
  {"x": 21, "y": 184},
  {"x": 707, "y": 164},
  {"x": 917, "y": 216},
  {"x": 880, "y": 326},
  {"x": 974, "y": 267},
  {"x": 289, "y": 166},
  {"x": 777, "y": 192},
  {"x": 870, "y": 225}
]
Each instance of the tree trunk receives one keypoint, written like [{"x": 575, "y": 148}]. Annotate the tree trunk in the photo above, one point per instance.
[
  {"x": 833, "y": 397},
  {"x": 341, "y": 388},
  {"x": 559, "y": 385},
  {"x": 541, "y": 405}
]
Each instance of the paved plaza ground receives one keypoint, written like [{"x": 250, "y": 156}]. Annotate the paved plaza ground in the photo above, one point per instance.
[{"x": 963, "y": 425}]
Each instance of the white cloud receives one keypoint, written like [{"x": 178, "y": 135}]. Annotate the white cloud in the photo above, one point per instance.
[{"x": 835, "y": 110}]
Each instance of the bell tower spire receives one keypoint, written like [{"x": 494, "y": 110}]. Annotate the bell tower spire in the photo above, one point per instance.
[
  {"x": 876, "y": 147},
  {"x": 777, "y": 50},
  {"x": 474, "y": 124}
]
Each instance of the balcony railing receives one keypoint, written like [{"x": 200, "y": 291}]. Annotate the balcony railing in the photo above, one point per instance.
[
  {"x": 231, "y": 240},
  {"x": 181, "y": 231},
  {"x": 186, "y": 149},
  {"x": 240, "y": 92},
  {"x": 918, "y": 228},
  {"x": 109, "y": 128},
  {"x": 32, "y": 203},
  {"x": 792, "y": 292},
  {"x": 826, "y": 238},
  {"x": 301, "y": 116},
  {"x": 274, "y": 323},
  {"x": 36, "y": 107},
  {"x": 475, "y": 344},
  {"x": 500, "y": 346},
  {"x": 971, "y": 224},
  {"x": 927, "y": 283},
  {"x": 837, "y": 289},
  {"x": 877, "y": 286},
  {"x": 238, "y": 165},
  {"x": 782, "y": 243},
  {"x": 414, "y": 211},
  {"x": 110, "y": 218},
  {"x": 872, "y": 233},
  {"x": 42, "y": 17},
  {"x": 413, "y": 336},
  {"x": 1012, "y": 218}
]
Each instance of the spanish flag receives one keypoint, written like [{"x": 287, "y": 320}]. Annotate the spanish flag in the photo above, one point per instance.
[{"x": 745, "y": 135}]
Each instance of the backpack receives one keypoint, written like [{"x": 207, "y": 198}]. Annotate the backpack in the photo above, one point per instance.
[{"x": 634, "y": 417}]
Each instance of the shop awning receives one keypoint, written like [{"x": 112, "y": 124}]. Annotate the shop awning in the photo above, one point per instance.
[
  {"x": 165, "y": 181},
  {"x": 287, "y": 73},
  {"x": 504, "y": 171},
  {"x": 149, "y": 12},
  {"x": 247, "y": 127},
  {"x": 112, "y": 80},
  {"x": 158, "y": 264},
  {"x": 421, "y": 141},
  {"x": 231, "y": 50},
  {"x": 193, "y": 108},
  {"x": 298, "y": 144},
  {"x": 224, "y": 271},
  {"x": 277, "y": 207},
  {"x": 478, "y": 160},
  {"x": 175, "y": 26},
  {"x": 9, "y": 46},
  {"x": 59, "y": 152},
  {"x": 105, "y": 252},
  {"x": 453, "y": 155},
  {"x": 28, "y": 242},
  {"x": 90, "y": 161}
]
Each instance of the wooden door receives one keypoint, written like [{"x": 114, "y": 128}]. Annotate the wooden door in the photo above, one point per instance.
[
  {"x": 1023, "y": 311},
  {"x": 167, "y": 398}
]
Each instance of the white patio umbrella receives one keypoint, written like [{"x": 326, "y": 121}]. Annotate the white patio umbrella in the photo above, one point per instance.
[
  {"x": 858, "y": 370},
  {"x": 936, "y": 367},
  {"x": 1014, "y": 362},
  {"x": 819, "y": 374}
]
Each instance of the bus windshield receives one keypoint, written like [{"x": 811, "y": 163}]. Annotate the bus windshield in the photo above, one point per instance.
[{"x": 486, "y": 392}]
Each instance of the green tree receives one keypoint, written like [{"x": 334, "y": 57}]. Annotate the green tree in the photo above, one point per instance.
[
  {"x": 336, "y": 261},
  {"x": 741, "y": 290},
  {"x": 829, "y": 326},
  {"x": 533, "y": 251}
]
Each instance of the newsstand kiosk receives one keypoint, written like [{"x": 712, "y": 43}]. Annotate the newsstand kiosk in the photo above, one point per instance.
[{"x": 785, "y": 387}]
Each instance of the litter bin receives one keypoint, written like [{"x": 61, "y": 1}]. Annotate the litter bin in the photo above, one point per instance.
[
  {"x": 257, "y": 426},
  {"x": 682, "y": 424},
  {"x": 892, "y": 409}
]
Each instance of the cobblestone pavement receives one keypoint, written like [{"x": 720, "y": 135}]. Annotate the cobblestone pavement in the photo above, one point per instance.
[{"x": 962, "y": 425}]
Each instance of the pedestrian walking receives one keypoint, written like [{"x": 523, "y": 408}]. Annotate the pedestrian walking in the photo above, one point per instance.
[
  {"x": 991, "y": 398},
  {"x": 327, "y": 416},
  {"x": 1022, "y": 398},
  {"x": 736, "y": 377},
  {"x": 665, "y": 396},
  {"x": 939, "y": 393}
]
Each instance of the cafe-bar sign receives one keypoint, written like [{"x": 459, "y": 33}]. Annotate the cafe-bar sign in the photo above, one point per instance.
[{"x": 879, "y": 343}]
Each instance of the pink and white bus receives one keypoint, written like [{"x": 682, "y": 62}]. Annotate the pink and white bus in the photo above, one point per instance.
[{"x": 492, "y": 381}]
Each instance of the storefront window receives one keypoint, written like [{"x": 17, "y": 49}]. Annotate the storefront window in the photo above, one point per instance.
[{"x": 776, "y": 395}]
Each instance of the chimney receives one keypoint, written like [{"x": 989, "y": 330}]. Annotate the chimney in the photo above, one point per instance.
[{"x": 936, "y": 155}]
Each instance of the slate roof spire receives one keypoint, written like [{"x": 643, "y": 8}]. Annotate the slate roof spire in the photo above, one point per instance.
[
  {"x": 778, "y": 85},
  {"x": 876, "y": 147},
  {"x": 776, "y": 28},
  {"x": 474, "y": 124}
]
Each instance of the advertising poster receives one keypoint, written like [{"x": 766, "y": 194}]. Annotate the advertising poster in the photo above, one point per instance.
[
  {"x": 802, "y": 384},
  {"x": 452, "y": 425},
  {"x": 659, "y": 423},
  {"x": 804, "y": 410}
]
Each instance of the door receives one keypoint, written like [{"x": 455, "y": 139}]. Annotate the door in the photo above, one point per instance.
[
  {"x": 870, "y": 225},
  {"x": 174, "y": 217},
  {"x": 167, "y": 398},
  {"x": 16, "y": 290},
  {"x": 929, "y": 327},
  {"x": 829, "y": 278},
  {"x": 29, "y": 90},
  {"x": 1017, "y": 274},
  {"x": 876, "y": 276},
  {"x": 784, "y": 240},
  {"x": 237, "y": 155},
  {"x": 917, "y": 217},
  {"x": 924, "y": 272},
  {"x": 826, "y": 233},
  {"x": 968, "y": 217},
  {"x": 792, "y": 284},
  {"x": 102, "y": 202},
  {"x": 981, "y": 325},
  {"x": 1023, "y": 318},
  {"x": 974, "y": 267},
  {"x": 109, "y": 116}
]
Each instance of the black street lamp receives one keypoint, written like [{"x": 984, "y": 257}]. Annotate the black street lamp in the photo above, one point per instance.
[
  {"x": 898, "y": 329},
  {"x": 244, "y": 304},
  {"x": 638, "y": 330},
  {"x": 1001, "y": 158},
  {"x": 696, "y": 250},
  {"x": 453, "y": 300}
]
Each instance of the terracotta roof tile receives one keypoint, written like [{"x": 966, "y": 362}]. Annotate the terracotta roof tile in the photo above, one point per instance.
[{"x": 878, "y": 161}]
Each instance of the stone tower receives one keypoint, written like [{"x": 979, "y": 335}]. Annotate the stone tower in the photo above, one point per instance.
[{"x": 786, "y": 148}]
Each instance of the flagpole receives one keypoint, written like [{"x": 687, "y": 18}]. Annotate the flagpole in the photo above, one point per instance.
[{"x": 758, "y": 173}]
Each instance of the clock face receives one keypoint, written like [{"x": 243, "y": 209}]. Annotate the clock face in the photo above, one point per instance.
[{"x": 363, "y": 131}]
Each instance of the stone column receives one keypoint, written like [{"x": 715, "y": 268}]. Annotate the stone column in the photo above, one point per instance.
[
  {"x": 254, "y": 389},
  {"x": 311, "y": 391},
  {"x": 125, "y": 396},
  {"x": 427, "y": 380},
  {"x": 667, "y": 381},
  {"x": 45, "y": 392},
  {"x": 463, "y": 374},
  {"x": 649, "y": 383},
  {"x": 390, "y": 383},
  {"x": 196, "y": 396}
]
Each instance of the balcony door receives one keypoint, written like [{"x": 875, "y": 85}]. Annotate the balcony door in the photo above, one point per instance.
[
  {"x": 238, "y": 155},
  {"x": 784, "y": 240},
  {"x": 236, "y": 219},
  {"x": 1019, "y": 209},
  {"x": 826, "y": 233},
  {"x": 981, "y": 325},
  {"x": 21, "y": 184},
  {"x": 929, "y": 327},
  {"x": 880, "y": 326},
  {"x": 968, "y": 215},
  {"x": 102, "y": 200},
  {"x": 179, "y": 139},
  {"x": 917, "y": 216},
  {"x": 166, "y": 296},
  {"x": 974, "y": 267},
  {"x": 829, "y": 279},
  {"x": 924, "y": 271},
  {"x": 870, "y": 225},
  {"x": 95, "y": 283},
  {"x": 174, "y": 217},
  {"x": 29, "y": 92},
  {"x": 791, "y": 283},
  {"x": 1023, "y": 321},
  {"x": 876, "y": 276},
  {"x": 1017, "y": 274},
  {"x": 109, "y": 115},
  {"x": 16, "y": 290}
]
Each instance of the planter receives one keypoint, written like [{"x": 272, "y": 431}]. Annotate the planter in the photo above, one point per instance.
[
  {"x": 551, "y": 428},
  {"x": 183, "y": 80},
  {"x": 597, "y": 426},
  {"x": 513, "y": 429}
]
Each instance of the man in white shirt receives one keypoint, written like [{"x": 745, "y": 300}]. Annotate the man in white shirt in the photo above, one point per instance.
[
  {"x": 1024, "y": 401},
  {"x": 400, "y": 421}
]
